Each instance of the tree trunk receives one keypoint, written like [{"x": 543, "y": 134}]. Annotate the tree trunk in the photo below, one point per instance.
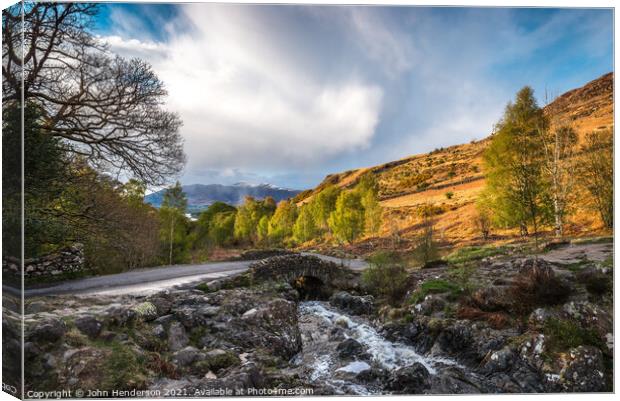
[{"x": 171, "y": 237}]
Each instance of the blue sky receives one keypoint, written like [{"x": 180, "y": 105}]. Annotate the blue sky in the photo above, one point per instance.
[{"x": 289, "y": 94}]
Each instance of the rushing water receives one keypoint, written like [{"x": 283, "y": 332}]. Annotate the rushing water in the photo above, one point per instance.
[{"x": 324, "y": 327}]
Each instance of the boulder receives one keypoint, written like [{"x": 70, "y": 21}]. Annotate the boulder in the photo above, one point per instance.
[
  {"x": 186, "y": 356},
  {"x": 177, "y": 337},
  {"x": 48, "y": 331},
  {"x": 355, "y": 305},
  {"x": 412, "y": 379},
  {"x": 89, "y": 326},
  {"x": 349, "y": 348},
  {"x": 584, "y": 370}
]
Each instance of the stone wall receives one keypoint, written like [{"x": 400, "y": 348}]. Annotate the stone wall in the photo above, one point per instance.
[{"x": 68, "y": 260}]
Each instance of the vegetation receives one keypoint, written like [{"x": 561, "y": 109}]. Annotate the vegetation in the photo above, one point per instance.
[
  {"x": 517, "y": 191},
  {"x": 597, "y": 173},
  {"x": 562, "y": 335},
  {"x": 426, "y": 249},
  {"x": 386, "y": 277},
  {"x": 435, "y": 286},
  {"x": 472, "y": 253}
]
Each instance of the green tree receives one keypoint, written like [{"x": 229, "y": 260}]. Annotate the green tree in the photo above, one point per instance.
[
  {"x": 597, "y": 173},
  {"x": 205, "y": 223},
  {"x": 262, "y": 230},
  {"x": 282, "y": 221},
  {"x": 347, "y": 220},
  {"x": 322, "y": 205},
  {"x": 174, "y": 206},
  {"x": 516, "y": 190},
  {"x": 248, "y": 216},
  {"x": 222, "y": 228},
  {"x": 305, "y": 227},
  {"x": 369, "y": 195}
]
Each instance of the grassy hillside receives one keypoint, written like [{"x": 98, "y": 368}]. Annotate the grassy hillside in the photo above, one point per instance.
[{"x": 451, "y": 178}]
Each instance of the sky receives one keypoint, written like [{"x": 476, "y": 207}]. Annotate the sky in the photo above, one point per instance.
[{"x": 286, "y": 94}]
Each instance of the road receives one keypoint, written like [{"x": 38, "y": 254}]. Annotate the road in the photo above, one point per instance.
[{"x": 150, "y": 280}]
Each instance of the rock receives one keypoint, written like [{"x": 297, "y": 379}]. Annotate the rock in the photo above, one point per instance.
[
  {"x": 177, "y": 337},
  {"x": 412, "y": 379},
  {"x": 593, "y": 317},
  {"x": 36, "y": 307},
  {"x": 352, "y": 370},
  {"x": 584, "y": 370},
  {"x": 48, "y": 331},
  {"x": 356, "y": 305},
  {"x": 89, "y": 326},
  {"x": 159, "y": 331},
  {"x": 499, "y": 361},
  {"x": 531, "y": 350},
  {"x": 349, "y": 348},
  {"x": 429, "y": 305},
  {"x": 162, "y": 303},
  {"x": 455, "y": 340},
  {"x": 217, "y": 360},
  {"x": 272, "y": 326},
  {"x": 453, "y": 380},
  {"x": 186, "y": 356},
  {"x": 146, "y": 311}
]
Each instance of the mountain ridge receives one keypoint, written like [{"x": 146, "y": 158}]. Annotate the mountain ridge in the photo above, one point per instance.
[{"x": 201, "y": 196}]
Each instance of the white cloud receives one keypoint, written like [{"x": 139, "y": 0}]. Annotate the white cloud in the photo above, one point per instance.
[{"x": 245, "y": 103}]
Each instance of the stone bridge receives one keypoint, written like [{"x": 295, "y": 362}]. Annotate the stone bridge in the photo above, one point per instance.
[{"x": 313, "y": 277}]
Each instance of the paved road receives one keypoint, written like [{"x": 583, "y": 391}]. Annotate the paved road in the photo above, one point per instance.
[{"x": 145, "y": 281}]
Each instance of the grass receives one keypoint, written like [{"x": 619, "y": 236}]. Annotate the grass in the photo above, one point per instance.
[
  {"x": 562, "y": 335},
  {"x": 204, "y": 287},
  {"x": 123, "y": 369},
  {"x": 473, "y": 253},
  {"x": 593, "y": 240},
  {"x": 436, "y": 286}
]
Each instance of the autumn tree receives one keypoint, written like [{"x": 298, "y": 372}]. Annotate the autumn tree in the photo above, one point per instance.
[
  {"x": 516, "y": 189},
  {"x": 597, "y": 173}
]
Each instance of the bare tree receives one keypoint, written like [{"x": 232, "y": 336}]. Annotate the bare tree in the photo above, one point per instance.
[
  {"x": 109, "y": 109},
  {"x": 559, "y": 145}
]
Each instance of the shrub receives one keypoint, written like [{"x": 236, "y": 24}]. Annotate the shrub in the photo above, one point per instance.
[
  {"x": 449, "y": 195},
  {"x": 386, "y": 277},
  {"x": 596, "y": 282},
  {"x": 537, "y": 285},
  {"x": 497, "y": 320},
  {"x": 562, "y": 335}
]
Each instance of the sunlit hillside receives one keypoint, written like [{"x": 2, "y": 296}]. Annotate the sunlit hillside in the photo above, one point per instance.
[{"x": 450, "y": 179}]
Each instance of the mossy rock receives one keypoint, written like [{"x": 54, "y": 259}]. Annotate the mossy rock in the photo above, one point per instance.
[{"x": 217, "y": 360}]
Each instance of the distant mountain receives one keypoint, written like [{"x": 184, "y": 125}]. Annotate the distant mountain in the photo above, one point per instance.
[{"x": 200, "y": 197}]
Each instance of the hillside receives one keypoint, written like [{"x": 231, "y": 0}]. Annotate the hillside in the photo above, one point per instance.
[
  {"x": 200, "y": 196},
  {"x": 451, "y": 178}
]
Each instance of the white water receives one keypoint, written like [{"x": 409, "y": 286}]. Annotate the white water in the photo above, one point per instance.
[{"x": 320, "y": 357}]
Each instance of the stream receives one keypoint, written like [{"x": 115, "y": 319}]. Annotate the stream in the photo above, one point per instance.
[{"x": 329, "y": 359}]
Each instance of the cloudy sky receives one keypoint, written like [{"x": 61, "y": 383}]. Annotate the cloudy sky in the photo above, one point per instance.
[{"x": 288, "y": 94}]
